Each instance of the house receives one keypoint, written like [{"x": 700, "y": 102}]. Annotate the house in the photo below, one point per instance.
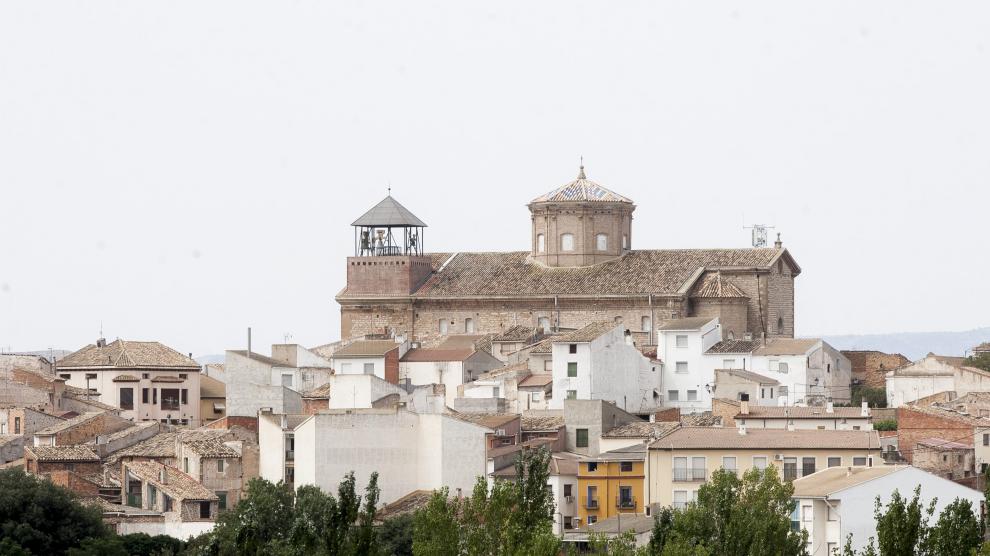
[
  {"x": 513, "y": 339},
  {"x": 982, "y": 349},
  {"x": 25, "y": 421},
  {"x": 586, "y": 420},
  {"x": 600, "y": 362},
  {"x": 640, "y": 526},
  {"x": 834, "y": 503},
  {"x": 493, "y": 391},
  {"x": 80, "y": 429},
  {"x": 635, "y": 433},
  {"x": 212, "y": 398},
  {"x": 277, "y": 446},
  {"x": 535, "y": 392},
  {"x": 827, "y": 417},
  {"x": 810, "y": 371},
  {"x": 544, "y": 424},
  {"x": 189, "y": 508},
  {"x": 945, "y": 458},
  {"x": 255, "y": 381},
  {"x": 563, "y": 486},
  {"x": 611, "y": 483},
  {"x": 680, "y": 462},
  {"x": 410, "y": 451},
  {"x": 681, "y": 344},
  {"x": 375, "y": 357},
  {"x": 450, "y": 366},
  {"x": 216, "y": 465},
  {"x": 934, "y": 374},
  {"x": 43, "y": 460},
  {"x": 916, "y": 423},
  {"x": 737, "y": 384},
  {"x": 146, "y": 380}
]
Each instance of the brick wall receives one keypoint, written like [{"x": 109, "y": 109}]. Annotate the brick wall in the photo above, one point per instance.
[
  {"x": 726, "y": 409},
  {"x": 670, "y": 415},
  {"x": 733, "y": 314},
  {"x": 870, "y": 367},
  {"x": 230, "y": 421},
  {"x": 72, "y": 481},
  {"x": 313, "y": 405},
  {"x": 583, "y": 222},
  {"x": 913, "y": 426},
  {"x": 392, "y": 366},
  {"x": 104, "y": 423},
  {"x": 387, "y": 275}
]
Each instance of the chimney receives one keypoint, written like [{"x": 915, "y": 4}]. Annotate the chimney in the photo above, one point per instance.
[
  {"x": 865, "y": 411},
  {"x": 829, "y": 407},
  {"x": 744, "y": 404},
  {"x": 101, "y": 342},
  {"x": 778, "y": 244},
  {"x": 790, "y": 425},
  {"x": 162, "y": 475},
  {"x": 629, "y": 338},
  {"x": 741, "y": 429}
]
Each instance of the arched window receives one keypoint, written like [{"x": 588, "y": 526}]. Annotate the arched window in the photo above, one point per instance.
[
  {"x": 541, "y": 243},
  {"x": 601, "y": 242},
  {"x": 780, "y": 325},
  {"x": 732, "y": 335},
  {"x": 469, "y": 326},
  {"x": 646, "y": 324},
  {"x": 567, "y": 242}
]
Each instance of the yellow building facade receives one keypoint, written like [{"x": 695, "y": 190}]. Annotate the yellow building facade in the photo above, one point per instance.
[{"x": 610, "y": 484}]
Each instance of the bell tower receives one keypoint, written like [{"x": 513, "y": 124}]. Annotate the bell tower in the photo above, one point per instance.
[
  {"x": 580, "y": 224},
  {"x": 388, "y": 252}
]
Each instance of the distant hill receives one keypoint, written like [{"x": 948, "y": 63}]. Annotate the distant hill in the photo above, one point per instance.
[
  {"x": 212, "y": 358},
  {"x": 914, "y": 345}
]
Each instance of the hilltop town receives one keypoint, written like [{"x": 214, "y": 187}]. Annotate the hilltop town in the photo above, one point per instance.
[{"x": 641, "y": 372}]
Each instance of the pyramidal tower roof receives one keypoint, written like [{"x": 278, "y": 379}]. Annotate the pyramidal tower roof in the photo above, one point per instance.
[
  {"x": 389, "y": 212},
  {"x": 582, "y": 190}
]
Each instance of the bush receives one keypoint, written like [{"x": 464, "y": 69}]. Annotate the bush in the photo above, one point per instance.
[{"x": 885, "y": 425}]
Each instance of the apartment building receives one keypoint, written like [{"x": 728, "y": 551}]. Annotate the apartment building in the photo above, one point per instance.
[{"x": 611, "y": 483}]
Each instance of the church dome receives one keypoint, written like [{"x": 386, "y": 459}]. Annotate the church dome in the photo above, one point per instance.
[{"x": 581, "y": 190}]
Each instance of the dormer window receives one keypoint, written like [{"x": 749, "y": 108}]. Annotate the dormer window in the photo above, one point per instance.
[
  {"x": 567, "y": 242},
  {"x": 601, "y": 242},
  {"x": 541, "y": 243}
]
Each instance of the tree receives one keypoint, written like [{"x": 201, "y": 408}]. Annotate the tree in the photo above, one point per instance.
[
  {"x": 512, "y": 517},
  {"x": 751, "y": 516},
  {"x": 903, "y": 525},
  {"x": 396, "y": 535},
  {"x": 957, "y": 530},
  {"x": 981, "y": 361},
  {"x": 663, "y": 524},
  {"x": 37, "y": 517}
]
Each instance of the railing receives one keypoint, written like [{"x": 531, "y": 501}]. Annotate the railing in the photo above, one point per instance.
[
  {"x": 591, "y": 504},
  {"x": 731, "y": 470},
  {"x": 790, "y": 473},
  {"x": 290, "y": 455},
  {"x": 695, "y": 474},
  {"x": 807, "y": 470},
  {"x": 621, "y": 502}
]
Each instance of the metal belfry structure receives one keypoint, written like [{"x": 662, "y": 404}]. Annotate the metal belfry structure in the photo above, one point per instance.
[{"x": 388, "y": 229}]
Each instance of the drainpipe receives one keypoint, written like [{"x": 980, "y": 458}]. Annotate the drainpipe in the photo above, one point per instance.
[{"x": 653, "y": 322}]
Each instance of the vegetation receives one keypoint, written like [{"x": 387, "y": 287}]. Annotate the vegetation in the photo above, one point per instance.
[
  {"x": 885, "y": 425},
  {"x": 875, "y": 397},
  {"x": 981, "y": 362},
  {"x": 512, "y": 517}
]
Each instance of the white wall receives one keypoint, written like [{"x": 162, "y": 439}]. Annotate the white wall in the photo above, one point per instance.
[
  {"x": 448, "y": 373},
  {"x": 700, "y": 370},
  {"x": 271, "y": 445},
  {"x": 359, "y": 391},
  {"x": 562, "y": 507},
  {"x": 355, "y": 365},
  {"x": 177, "y": 529}
]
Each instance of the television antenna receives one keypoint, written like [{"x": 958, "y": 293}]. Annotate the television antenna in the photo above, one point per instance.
[{"x": 759, "y": 234}]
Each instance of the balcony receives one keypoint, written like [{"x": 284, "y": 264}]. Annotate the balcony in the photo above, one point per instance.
[
  {"x": 591, "y": 504},
  {"x": 625, "y": 503},
  {"x": 290, "y": 455},
  {"x": 694, "y": 474}
]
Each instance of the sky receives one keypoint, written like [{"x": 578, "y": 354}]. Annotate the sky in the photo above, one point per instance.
[{"x": 179, "y": 171}]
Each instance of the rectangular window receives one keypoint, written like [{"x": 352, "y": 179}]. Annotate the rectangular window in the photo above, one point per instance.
[
  {"x": 572, "y": 369},
  {"x": 170, "y": 399},
  {"x": 646, "y": 324},
  {"x": 859, "y": 461},
  {"x": 66, "y": 376},
  {"x": 680, "y": 469},
  {"x": 90, "y": 376},
  {"x": 986, "y": 439},
  {"x": 592, "y": 519},
  {"x": 543, "y": 323},
  {"x": 807, "y": 466},
  {"x": 167, "y": 503},
  {"x": 681, "y": 367},
  {"x": 369, "y": 368},
  {"x": 572, "y": 394},
  {"x": 782, "y": 391},
  {"x": 681, "y": 340},
  {"x": 185, "y": 465},
  {"x": 185, "y": 396},
  {"x": 698, "y": 468},
  {"x": 17, "y": 425},
  {"x": 680, "y": 499},
  {"x": 287, "y": 380},
  {"x": 782, "y": 367},
  {"x": 760, "y": 462},
  {"x": 345, "y": 368},
  {"x": 567, "y": 489},
  {"x": 548, "y": 365},
  {"x": 626, "y": 466},
  {"x": 145, "y": 395},
  {"x": 582, "y": 438},
  {"x": 626, "y": 499},
  {"x": 220, "y": 466},
  {"x": 568, "y": 522},
  {"x": 796, "y": 519},
  {"x": 222, "y": 500},
  {"x": 692, "y": 395},
  {"x": 145, "y": 376},
  {"x": 591, "y": 502},
  {"x": 126, "y": 398},
  {"x": 204, "y": 510},
  {"x": 537, "y": 396},
  {"x": 154, "y": 396},
  {"x": 571, "y": 348},
  {"x": 728, "y": 363},
  {"x": 673, "y": 395},
  {"x": 790, "y": 469},
  {"x": 806, "y": 513},
  {"x": 729, "y": 463},
  {"x": 592, "y": 466},
  {"x": 443, "y": 326},
  {"x": 835, "y": 461}
]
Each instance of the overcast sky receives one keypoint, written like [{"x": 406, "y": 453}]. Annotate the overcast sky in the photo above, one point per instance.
[{"x": 180, "y": 171}]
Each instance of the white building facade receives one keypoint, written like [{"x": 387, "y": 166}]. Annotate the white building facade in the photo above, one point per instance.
[{"x": 687, "y": 376}]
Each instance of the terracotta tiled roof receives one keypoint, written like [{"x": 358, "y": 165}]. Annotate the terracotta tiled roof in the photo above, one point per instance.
[
  {"x": 946, "y": 413},
  {"x": 162, "y": 445},
  {"x": 704, "y": 438},
  {"x": 734, "y": 346},
  {"x": 321, "y": 391},
  {"x": 581, "y": 190},
  {"x": 258, "y": 357},
  {"x": 635, "y": 452},
  {"x": 408, "y": 504},
  {"x": 834, "y": 479},
  {"x": 942, "y": 444},
  {"x": 521, "y": 368},
  {"x": 589, "y": 333},
  {"x": 536, "y": 423},
  {"x": 68, "y": 424},
  {"x": 787, "y": 346},
  {"x": 425, "y": 355},
  {"x": 703, "y": 419},
  {"x": 166, "y": 378},
  {"x": 489, "y": 420},
  {"x": 366, "y": 348},
  {"x": 126, "y": 378},
  {"x": 745, "y": 375},
  {"x": 212, "y": 448},
  {"x": 659, "y": 272},
  {"x": 536, "y": 381},
  {"x": 127, "y": 354},
  {"x": 177, "y": 484},
  {"x": 713, "y": 286},
  {"x": 529, "y": 444},
  {"x": 985, "y": 346},
  {"x": 642, "y": 429},
  {"x": 64, "y": 453},
  {"x": 544, "y": 346},
  {"x": 796, "y": 412},
  {"x": 516, "y": 333},
  {"x": 690, "y": 323}
]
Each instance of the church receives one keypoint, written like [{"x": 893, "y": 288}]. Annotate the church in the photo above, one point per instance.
[{"x": 580, "y": 268}]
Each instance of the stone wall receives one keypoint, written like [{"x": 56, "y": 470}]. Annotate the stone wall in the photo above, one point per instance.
[
  {"x": 870, "y": 367},
  {"x": 727, "y": 410},
  {"x": 584, "y": 222},
  {"x": 913, "y": 426},
  {"x": 399, "y": 275},
  {"x": 35, "y": 363},
  {"x": 73, "y": 481},
  {"x": 104, "y": 423}
]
